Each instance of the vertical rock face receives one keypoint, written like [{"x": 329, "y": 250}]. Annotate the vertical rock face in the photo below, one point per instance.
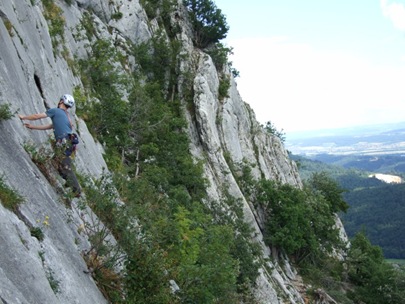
[
  {"x": 226, "y": 132},
  {"x": 50, "y": 271},
  {"x": 33, "y": 76}
]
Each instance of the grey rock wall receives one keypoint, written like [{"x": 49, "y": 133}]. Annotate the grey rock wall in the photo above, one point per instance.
[
  {"x": 230, "y": 127},
  {"x": 32, "y": 78}
]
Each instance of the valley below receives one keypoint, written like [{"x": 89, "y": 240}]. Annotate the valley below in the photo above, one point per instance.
[{"x": 369, "y": 165}]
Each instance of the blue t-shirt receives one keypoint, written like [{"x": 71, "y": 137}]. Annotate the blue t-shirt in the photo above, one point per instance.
[{"x": 60, "y": 121}]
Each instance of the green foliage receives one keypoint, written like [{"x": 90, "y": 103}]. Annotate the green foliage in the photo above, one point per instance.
[
  {"x": 212, "y": 277},
  {"x": 223, "y": 89},
  {"x": 37, "y": 233},
  {"x": 107, "y": 113},
  {"x": 53, "y": 282},
  {"x": 9, "y": 198},
  {"x": 330, "y": 190},
  {"x": 117, "y": 16},
  {"x": 329, "y": 274},
  {"x": 374, "y": 205},
  {"x": 208, "y": 22},
  {"x": 41, "y": 156},
  {"x": 376, "y": 281},
  {"x": 270, "y": 128},
  {"x": 245, "y": 250},
  {"x": 144, "y": 262},
  {"x": 9, "y": 26},
  {"x": 220, "y": 56},
  {"x": 288, "y": 225},
  {"x": 150, "y": 7},
  {"x": 212, "y": 258},
  {"x": 244, "y": 177},
  {"x": 379, "y": 211},
  {"x": 299, "y": 221},
  {"x": 158, "y": 59},
  {"x": 87, "y": 24},
  {"x": 161, "y": 10},
  {"x": 54, "y": 14},
  {"x": 146, "y": 281},
  {"x": 5, "y": 112}
]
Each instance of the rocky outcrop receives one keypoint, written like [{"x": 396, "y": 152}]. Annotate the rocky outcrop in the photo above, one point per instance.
[
  {"x": 229, "y": 127},
  {"x": 33, "y": 74}
]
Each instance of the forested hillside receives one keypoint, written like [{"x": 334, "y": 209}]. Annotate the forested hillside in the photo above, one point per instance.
[
  {"x": 376, "y": 207},
  {"x": 379, "y": 211}
]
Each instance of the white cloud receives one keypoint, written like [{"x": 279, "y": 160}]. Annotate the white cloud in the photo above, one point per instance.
[
  {"x": 395, "y": 12},
  {"x": 297, "y": 87}
]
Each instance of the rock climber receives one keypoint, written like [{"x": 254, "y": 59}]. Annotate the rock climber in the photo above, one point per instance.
[{"x": 65, "y": 139}]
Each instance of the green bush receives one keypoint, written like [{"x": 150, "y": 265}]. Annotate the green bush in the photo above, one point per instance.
[
  {"x": 54, "y": 14},
  {"x": 9, "y": 26},
  {"x": 271, "y": 128},
  {"x": 117, "y": 16},
  {"x": 223, "y": 88},
  {"x": 375, "y": 280},
  {"x": 37, "y": 233},
  {"x": 107, "y": 113},
  {"x": 5, "y": 112},
  {"x": 329, "y": 189},
  {"x": 219, "y": 55},
  {"x": 299, "y": 221},
  {"x": 9, "y": 197}
]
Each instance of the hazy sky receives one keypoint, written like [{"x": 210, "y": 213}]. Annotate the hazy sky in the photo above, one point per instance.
[{"x": 316, "y": 64}]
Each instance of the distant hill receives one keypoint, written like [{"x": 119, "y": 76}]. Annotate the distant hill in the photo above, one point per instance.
[
  {"x": 365, "y": 140},
  {"x": 375, "y": 206},
  {"x": 376, "y": 163}
]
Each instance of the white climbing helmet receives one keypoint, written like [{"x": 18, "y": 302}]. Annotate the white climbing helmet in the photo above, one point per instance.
[{"x": 68, "y": 100}]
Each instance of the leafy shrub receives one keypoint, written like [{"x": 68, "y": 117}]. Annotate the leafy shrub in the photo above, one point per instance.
[
  {"x": 107, "y": 113},
  {"x": 8, "y": 196},
  {"x": 117, "y": 16},
  {"x": 299, "y": 221},
  {"x": 37, "y": 233},
  {"x": 223, "y": 88},
  {"x": 374, "y": 279},
  {"x": 158, "y": 59},
  {"x": 9, "y": 26},
  {"x": 330, "y": 190},
  {"x": 54, "y": 14},
  {"x": 271, "y": 128},
  {"x": 219, "y": 54},
  {"x": 5, "y": 112}
]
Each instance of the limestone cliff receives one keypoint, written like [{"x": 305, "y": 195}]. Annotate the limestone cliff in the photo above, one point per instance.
[{"x": 34, "y": 71}]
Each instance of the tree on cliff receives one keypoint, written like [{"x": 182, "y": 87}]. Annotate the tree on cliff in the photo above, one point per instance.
[{"x": 208, "y": 22}]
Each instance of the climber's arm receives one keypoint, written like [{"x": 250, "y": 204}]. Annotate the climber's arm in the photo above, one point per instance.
[
  {"x": 32, "y": 116},
  {"x": 40, "y": 127},
  {"x": 35, "y": 117}
]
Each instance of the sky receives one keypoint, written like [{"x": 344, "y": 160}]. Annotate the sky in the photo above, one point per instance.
[{"x": 319, "y": 64}]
